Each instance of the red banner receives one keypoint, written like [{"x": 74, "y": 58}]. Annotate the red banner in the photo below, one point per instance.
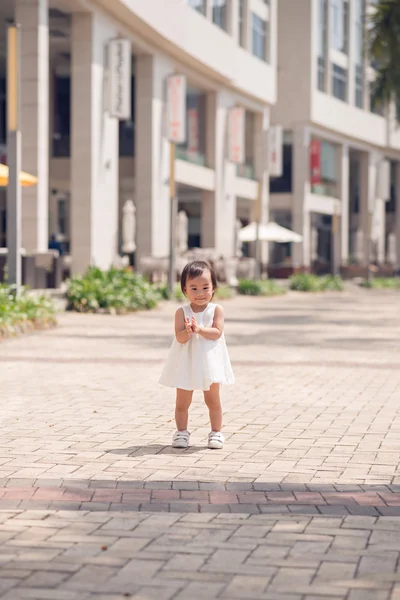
[{"x": 315, "y": 162}]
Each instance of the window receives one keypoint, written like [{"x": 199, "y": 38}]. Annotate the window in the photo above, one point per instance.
[
  {"x": 247, "y": 169},
  {"x": 198, "y": 5},
  {"x": 283, "y": 184},
  {"x": 127, "y": 129},
  {"x": 259, "y": 36},
  {"x": 193, "y": 149},
  {"x": 340, "y": 14},
  {"x": 321, "y": 74},
  {"x": 339, "y": 82},
  {"x": 328, "y": 165},
  {"x": 219, "y": 13},
  {"x": 359, "y": 88},
  {"x": 242, "y": 24},
  {"x": 359, "y": 32},
  {"x": 391, "y": 204},
  {"x": 62, "y": 117},
  {"x": 322, "y": 14},
  {"x": 3, "y": 133}
]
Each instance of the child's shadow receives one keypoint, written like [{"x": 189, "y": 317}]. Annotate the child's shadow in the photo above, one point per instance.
[{"x": 154, "y": 449}]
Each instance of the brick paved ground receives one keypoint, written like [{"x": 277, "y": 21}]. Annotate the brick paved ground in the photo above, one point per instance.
[{"x": 303, "y": 503}]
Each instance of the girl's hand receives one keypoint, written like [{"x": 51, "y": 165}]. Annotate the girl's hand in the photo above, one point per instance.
[
  {"x": 195, "y": 327},
  {"x": 188, "y": 326}
]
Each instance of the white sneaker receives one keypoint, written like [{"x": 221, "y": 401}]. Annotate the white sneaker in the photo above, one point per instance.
[
  {"x": 181, "y": 439},
  {"x": 216, "y": 440}
]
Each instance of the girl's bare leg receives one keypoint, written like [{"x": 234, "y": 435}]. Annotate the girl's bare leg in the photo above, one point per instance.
[
  {"x": 212, "y": 399},
  {"x": 183, "y": 401}
]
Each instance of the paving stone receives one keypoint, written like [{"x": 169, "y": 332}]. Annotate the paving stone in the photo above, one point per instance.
[
  {"x": 313, "y": 419},
  {"x": 44, "y": 579}
]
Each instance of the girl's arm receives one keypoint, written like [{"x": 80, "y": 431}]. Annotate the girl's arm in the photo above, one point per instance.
[
  {"x": 181, "y": 332},
  {"x": 217, "y": 329}
]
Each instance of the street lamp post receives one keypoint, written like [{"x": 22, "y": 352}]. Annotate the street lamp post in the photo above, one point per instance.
[
  {"x": 173, "y": 215},
  {"x": 176, "y": 133},
  {"x": 13, "y": 157}
]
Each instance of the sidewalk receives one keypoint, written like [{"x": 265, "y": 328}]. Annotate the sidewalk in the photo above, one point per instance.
[{"x": 302, "y": 503}]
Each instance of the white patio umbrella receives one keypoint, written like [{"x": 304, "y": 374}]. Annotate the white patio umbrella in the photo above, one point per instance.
[
  {"x": 128, "y": 227},
  {"x": 272, "y": 232}
]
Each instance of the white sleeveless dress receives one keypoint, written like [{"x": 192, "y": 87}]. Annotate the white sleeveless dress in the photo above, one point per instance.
[{"x": 199, "y": 363}]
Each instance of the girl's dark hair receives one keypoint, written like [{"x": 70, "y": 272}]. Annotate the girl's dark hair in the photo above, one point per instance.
[{"x": 195, "y": 269}]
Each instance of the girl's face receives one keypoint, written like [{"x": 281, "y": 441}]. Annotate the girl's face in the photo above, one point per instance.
[{"x": 200, "y": 289}]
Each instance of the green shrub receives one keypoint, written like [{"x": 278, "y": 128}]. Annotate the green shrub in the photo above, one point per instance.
[
  {"x": 115, "y": 290},
  {"x": 382, "y": 283},
  {"x": 307, "y": 282},
  {"x": 304, "y": 282},
  {"x": 224, "y": 292},
  {"x": 267, "y": 287},
  {"x": 332, "y": 283},
  {"x": 24, "y": 312}
]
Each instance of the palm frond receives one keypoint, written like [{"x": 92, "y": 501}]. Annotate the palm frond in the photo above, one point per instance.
[{"x": 384, "y": 50}]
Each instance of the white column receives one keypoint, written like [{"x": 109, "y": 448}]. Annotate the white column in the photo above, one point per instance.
[
  {"x": 152, "y": 157},
  {"x": 233, "y": 19},
  {"x": 368, "y": 180},
  {"x": 379, "y": 229},
  {"x": 273, "y": 33},
  {"x": 246, "y": 25},
  {"x": 33, "y": 17},
  {"x": 351, "y": 86},
  {"x": 344, "y": 182},
  {"x": 219, "y": 207},
  {"x": 328, "y": 62},
  {"x": 208, "y": 9},
  {"x": 94, "y": 156},
  {"x": 261, "y": 125},
  {"x": 363, "y": 220},
  {"x": 301, "y": 253}
]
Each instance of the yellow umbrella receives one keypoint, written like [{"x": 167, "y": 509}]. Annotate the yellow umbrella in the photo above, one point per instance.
[{"x": 25, "y": 179}]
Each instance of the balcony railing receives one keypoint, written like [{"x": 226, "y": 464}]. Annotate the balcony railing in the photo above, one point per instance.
[
  {"x": 197, "y": 158},
  {"x": 246, "y": 171},
  {"x": 326, "y": 189}
]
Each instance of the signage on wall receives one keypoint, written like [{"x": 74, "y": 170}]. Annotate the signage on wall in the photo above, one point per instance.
[
  {"x": 176, "y": 108},
  {"x": 236, "y": 130},
  {"x": 315, "y": 162},
  {"x": 275, "y": 138},
  {"x": 120, "y": 78}
]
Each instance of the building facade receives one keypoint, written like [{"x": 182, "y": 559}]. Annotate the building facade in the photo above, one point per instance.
[
  {"x": 340, "y": 150},
  {"x": 88, "y": 164}
]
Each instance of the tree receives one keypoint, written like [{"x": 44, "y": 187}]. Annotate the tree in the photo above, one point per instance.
[{"x": 384, "y": 49}]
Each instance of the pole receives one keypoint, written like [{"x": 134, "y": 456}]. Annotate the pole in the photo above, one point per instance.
[
  {"x": 13, "y": 158},
  {"x": 257, "y": 241},
  {"x": 173, "y": 211},
  {"x": 335, "y": 243},
  {"x": 369, "y": 272}
]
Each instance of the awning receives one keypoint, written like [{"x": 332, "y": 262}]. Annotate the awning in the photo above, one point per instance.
[
  {"x": 272, "y": 232},
  {"x": 26, "y": 179}
]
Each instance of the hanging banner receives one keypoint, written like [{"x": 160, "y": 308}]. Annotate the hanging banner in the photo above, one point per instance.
[
  {"x": 176, "y": 108},
  {"x": 120, "y": 79},
  {"x": 275, "y": 151},
  {"x": 236, "y": 130},
  {"x": 315, "y": 162}
]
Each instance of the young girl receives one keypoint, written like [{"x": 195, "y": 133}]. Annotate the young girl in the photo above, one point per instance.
[{"x": 198, "y": 358}]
